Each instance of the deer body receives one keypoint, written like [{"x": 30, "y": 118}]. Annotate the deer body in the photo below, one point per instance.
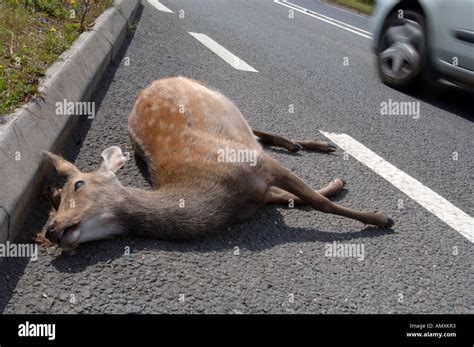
[
  {"x": 181, "y": 129},
  {"x": 178, "y": 126}
]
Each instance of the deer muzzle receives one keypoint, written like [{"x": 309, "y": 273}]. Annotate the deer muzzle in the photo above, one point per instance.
[{"x": 66, "y": 237}]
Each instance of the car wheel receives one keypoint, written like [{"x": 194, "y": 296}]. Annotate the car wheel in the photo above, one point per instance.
[{"x": 402, "y": 49}]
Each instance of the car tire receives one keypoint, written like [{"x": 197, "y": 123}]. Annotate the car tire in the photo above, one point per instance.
[{"x": 402, "y": 49}]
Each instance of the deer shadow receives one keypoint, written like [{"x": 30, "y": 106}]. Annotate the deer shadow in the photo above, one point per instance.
[{"x": 265, "y": 230}]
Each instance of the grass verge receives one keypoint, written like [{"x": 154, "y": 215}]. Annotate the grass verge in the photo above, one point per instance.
[
  {"x": 33, "y": 33},
  {"x": 363, "y": 6}
]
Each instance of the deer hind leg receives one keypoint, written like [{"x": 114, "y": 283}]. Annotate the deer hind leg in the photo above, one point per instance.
[
  {"x": 277, "y": 195},
  {"x": 284, "y": 179},
  {"x": 293, "y": 145}
]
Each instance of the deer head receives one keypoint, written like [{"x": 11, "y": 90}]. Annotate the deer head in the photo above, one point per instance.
[{"x": 84, "y": 212}]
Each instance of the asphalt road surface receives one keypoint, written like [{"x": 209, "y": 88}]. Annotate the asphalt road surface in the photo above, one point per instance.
[{"x": 312, "y": 75}]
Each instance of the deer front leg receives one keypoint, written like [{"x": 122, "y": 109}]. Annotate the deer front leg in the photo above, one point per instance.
[
  {"x": 282, "y": 178},
  {"x": 277, "y": 195},
  {"x": 293, "y": 145}
]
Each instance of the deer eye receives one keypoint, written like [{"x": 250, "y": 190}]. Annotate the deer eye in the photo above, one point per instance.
[{"x": 78, "y": 185}]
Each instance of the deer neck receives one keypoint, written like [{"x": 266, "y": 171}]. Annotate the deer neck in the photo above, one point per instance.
[{"x": 167, "y": 213}]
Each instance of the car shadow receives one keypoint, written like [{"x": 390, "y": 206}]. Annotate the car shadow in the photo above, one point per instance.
[{"x": 449, "y": 98}]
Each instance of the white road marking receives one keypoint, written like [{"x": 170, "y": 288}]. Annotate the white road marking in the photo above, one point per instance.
[
  {"x": 159, "y": 6},
  {"x": 223, "y": 53},
  {"x": 433, "y": 202},
  {"x": 326, "y": 19}
]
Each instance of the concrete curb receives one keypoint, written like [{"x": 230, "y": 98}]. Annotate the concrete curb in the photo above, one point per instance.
[{"x": 36, "y": 126}]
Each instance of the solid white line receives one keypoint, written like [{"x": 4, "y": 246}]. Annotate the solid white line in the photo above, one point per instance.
[
  {"x": 159, "y": 6},
  {"x": 223, "y": 53},
  {"x": 433, "y": 202},
  {"x": 332, "y": 21}
]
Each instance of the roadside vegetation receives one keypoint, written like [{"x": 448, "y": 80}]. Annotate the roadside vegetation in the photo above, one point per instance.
[
  {"x": 363, "y": 6},
  {"x": 33, "y": 33}
]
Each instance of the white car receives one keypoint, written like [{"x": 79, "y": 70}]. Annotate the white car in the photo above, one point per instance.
[{"x": 424, "y": 38}]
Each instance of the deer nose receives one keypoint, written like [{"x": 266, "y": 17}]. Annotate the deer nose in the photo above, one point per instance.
[{"x": 51, "y": 233}]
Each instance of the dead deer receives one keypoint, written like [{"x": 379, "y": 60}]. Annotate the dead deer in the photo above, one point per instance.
[{"x": 181, "y": 129}]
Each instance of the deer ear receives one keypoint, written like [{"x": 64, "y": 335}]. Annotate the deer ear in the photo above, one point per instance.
[
  {"x": 112, "y": 159},
  {"x": 62, "y": 166}
]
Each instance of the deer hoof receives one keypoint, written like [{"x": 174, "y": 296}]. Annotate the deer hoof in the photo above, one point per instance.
[
  {"x": 342, "y": 181},
  {"x": 331, "y": 147},
  {"x": 296, "y": 148},
  {"x": 390, "y": 223}
]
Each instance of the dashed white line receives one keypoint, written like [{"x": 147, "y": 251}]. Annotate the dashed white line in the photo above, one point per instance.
[
  {"x": 223, "y": 53},
  {"x": 433, "y": 202},
  {"x": 159, "y": 6},
  {"x": 326, "y": 19}
]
